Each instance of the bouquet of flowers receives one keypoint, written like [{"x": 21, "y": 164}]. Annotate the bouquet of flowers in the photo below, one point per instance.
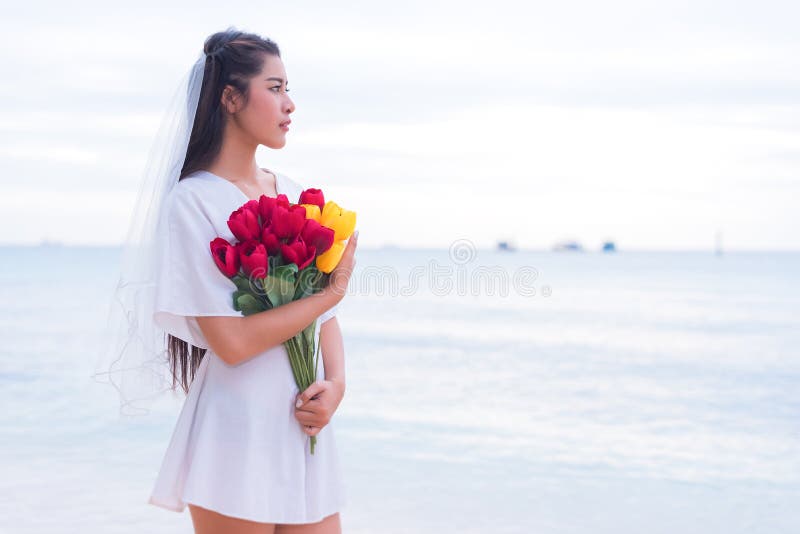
[{"x": 285, "y": 252}]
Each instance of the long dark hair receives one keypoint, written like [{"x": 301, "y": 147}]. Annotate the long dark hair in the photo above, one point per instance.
[{"x": 232, "y": 58}]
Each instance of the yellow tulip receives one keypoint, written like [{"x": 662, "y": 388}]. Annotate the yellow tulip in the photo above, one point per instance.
[
  {"x": 329, "y": 259},
  {"x": 338, "y": 219},
  {"x": 312, "y": 211}
]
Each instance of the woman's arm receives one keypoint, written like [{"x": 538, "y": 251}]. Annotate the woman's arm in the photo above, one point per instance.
[
  {"x": 237, "y": 339},
  {"x": 332, "y": 346}
]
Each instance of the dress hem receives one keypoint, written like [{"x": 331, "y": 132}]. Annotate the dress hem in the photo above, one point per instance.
[{"x": 181, "y": 508}]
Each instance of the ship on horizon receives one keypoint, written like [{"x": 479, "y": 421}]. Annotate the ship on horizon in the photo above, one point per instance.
[
  {"x": 568, "y": 246},
  {"x": 507, "y": 246}
]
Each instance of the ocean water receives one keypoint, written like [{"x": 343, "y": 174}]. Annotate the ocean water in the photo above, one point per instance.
[{"x": 579, "y": 392}]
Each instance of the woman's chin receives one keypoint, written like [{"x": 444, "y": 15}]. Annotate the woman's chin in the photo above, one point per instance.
[{"x": 275, "y": 143}]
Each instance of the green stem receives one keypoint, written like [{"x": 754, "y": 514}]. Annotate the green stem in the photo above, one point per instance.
[
  {"x": 297, "y": 368},
  {"x": 315, "y": 349},
  {"x": 304, "y": 361},
  {"x": 300, "y": 363},
  {"x": 297, "y": 362}
]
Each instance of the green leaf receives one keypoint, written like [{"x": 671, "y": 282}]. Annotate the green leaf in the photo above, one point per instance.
[
  {"x": 308, "y": 332},
  {"x": 248, "y": 304},
  {"x": 279, "y": 285},
  {"x": 236, "y": 295},
  {"x": 307, "y": 280},
  {"x": 242, "y": 282},
  {"x": 290, "y": 269}
]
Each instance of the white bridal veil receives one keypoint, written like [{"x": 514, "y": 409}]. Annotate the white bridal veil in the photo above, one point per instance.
[{"x": 133, "y": 350}]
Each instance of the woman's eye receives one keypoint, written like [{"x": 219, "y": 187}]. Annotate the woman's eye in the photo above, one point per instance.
[{"x": 278, "y": 87}]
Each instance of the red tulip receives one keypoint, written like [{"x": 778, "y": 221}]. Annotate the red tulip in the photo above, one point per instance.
[
  {"x": 251, "y": 205},
  {"x": 244, "y": 223},
  {"x": 287, "y": 223},
  {"x": 225, "y": 256},
  {"x": 318, "y": 236},
  {"x": 270, "y": 241},
  {"x": 312, "y": 195},
  {"x": 297, "y": 252},
  {"x": 253, "y": 256},
  {"x": 266, "y": 205}
]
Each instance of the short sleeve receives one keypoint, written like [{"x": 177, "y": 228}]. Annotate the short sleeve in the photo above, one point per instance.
[
  {"x": 188, "y": 282},
  {"x": 328, "y": 314}
]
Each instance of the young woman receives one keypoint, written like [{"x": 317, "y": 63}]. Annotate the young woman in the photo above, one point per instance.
[{"x": 239, "y": 455}]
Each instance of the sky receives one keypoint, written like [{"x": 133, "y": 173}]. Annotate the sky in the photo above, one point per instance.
[{"x": 658, "y": 125}]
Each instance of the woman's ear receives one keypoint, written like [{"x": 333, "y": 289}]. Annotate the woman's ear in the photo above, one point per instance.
[{"x": 230, "y": 99}]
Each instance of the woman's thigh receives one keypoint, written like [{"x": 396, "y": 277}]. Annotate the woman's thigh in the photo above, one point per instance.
[
  {"x": 210, "y": 522},
  {"x": 329, "y": 525}
]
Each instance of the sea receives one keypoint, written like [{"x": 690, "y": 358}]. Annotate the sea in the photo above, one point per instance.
[{"x": 488, "y": 391}]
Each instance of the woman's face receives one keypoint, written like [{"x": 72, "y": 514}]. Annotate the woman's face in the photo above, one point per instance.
[{"x": 269, "y": 106}]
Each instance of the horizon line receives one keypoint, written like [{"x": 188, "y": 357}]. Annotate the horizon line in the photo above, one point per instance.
[{"x": 710, "y": 250}]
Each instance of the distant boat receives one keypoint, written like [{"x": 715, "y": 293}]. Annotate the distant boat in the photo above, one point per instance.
[
  {"x": 568, "y": 246},
  {"x": 609, "y": 246},
  {"x": 506, "y": 245}
]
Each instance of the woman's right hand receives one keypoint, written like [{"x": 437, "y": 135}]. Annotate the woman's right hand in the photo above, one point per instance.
[{"x": 340, "y": 275}]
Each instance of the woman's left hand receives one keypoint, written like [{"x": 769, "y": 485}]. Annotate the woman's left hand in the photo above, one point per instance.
[{"x": 319, "y": 402}]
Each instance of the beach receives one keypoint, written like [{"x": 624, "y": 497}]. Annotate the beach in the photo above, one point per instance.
[{"x": 630, "y": 392}]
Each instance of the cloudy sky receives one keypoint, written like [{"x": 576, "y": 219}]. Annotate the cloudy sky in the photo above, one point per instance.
[{"x": 655, "y": 124}]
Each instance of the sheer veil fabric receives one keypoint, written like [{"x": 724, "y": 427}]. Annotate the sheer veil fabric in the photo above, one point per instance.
[{"x": 133, "y": 350}]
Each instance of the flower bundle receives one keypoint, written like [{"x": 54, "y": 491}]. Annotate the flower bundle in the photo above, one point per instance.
[{"x": 284, "y": 252}]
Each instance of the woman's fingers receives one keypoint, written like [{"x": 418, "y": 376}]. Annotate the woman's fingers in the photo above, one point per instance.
[
  {"x": 310, "y": 414},
  {"x": 340, "y": 276},
  {"x": 348, "y": 261},
  {"x": 350, "y": 249}
]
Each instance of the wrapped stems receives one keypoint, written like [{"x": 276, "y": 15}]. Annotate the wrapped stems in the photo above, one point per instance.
[{"x": 303, "y": 358}]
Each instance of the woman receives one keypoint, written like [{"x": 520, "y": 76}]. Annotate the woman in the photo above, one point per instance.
[{"x": 239, "y": 455}]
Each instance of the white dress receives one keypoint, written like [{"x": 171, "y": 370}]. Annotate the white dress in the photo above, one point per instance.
[{"x": 237, "y": 447}]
